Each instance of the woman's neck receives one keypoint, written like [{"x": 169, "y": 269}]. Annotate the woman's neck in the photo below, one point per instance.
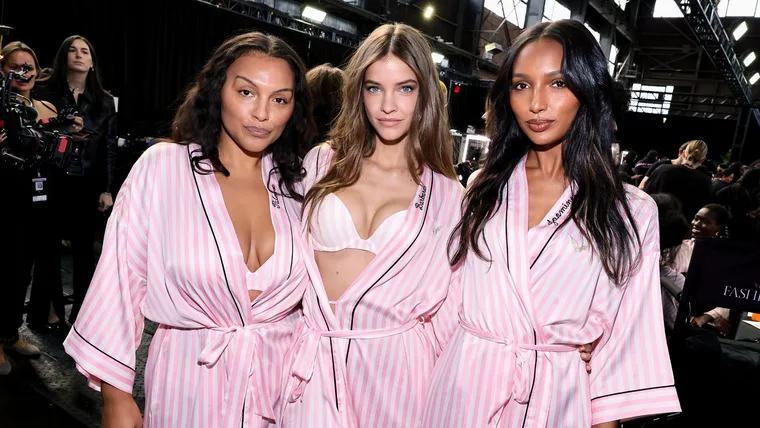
[
  {"x": 235, "y": 159},
  {"x": 26, "y": 94},
  {"x": 548, "y": 163},
  {"x": 390, "y": 155},
  {"x": 77, "y": 79}
]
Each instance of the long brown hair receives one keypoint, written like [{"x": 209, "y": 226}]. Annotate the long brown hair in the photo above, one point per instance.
[{"x": 353, "y": 137}]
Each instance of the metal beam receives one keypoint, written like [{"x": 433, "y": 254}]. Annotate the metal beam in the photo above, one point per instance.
[
  {"x": 705, "y": 23},
  {"x": 534, "y": 13},
  {"x": 615, "y": 16}
]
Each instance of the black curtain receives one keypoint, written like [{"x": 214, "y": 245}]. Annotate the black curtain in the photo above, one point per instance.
[{"x": 148, "y": 51}]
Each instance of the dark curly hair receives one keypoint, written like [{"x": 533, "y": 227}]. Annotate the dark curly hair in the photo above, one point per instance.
[
  {"x": 674, "y": 227},
  {"x": 600, "y": 207},
  {"x": 199, "y": 118}
]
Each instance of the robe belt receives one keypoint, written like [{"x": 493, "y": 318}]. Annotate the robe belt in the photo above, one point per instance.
[
  {"x": 518, "y": 364},
  {"x": 247, "y": 391},
  {"x": 308, "y": 344}
]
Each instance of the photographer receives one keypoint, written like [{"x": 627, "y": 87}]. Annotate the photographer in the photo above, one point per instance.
[
  {"x": 75, "y": 82},
  {"x": 25, "y": 217}
]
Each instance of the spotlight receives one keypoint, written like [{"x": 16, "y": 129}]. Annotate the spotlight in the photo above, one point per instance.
[
  {"x": 313, "y": 14},
  {"x": 740, "y": 30},
  {"x": 755, "y": 77},
  {"x": 429, "y": 12},
  {"x": 749, "y": 59},
  {"x": 437, "y": 58}
]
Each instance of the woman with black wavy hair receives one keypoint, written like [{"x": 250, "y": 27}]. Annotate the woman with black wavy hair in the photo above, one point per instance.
[
  {"x": 555, "y": 251},
  {"x": 204, "y": 239}
]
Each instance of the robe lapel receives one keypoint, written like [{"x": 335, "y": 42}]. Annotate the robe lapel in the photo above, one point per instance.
[
  {"x": 400, "y": 245},
  {"x": 515, "y": 228}
]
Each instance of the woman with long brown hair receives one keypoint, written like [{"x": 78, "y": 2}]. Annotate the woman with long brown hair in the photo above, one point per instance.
[{"x": 381, "y": 200}]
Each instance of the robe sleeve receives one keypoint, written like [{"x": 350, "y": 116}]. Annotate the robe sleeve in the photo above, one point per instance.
[
  {"x": 446, "y": 320},
  {"x": 108, "y": 329},
  {"x": 631, "y": 371}
]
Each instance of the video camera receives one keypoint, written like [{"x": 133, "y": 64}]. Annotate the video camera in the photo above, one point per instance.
[{"x": 26, "y": 144}]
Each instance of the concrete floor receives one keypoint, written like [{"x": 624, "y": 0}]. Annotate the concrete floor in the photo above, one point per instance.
[{"x": 49, "y": 391}]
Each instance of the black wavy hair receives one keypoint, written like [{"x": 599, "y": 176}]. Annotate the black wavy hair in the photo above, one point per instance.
[
  {"x": 600, "y": 207},
  {"x": 199, "y": 118},
  {"x": 58, "y": 80},
  {"x": 674, "y": 227}
]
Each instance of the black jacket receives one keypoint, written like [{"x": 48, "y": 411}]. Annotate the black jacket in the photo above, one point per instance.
[
  {"x": 692, "y": 187},
  {"x": 99, "y": 156}
]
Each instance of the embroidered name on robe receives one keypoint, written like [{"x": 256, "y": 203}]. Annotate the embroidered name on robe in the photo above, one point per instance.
[
  {"x": 421, "y": 197},
  {"x": 558, "y": 215}
]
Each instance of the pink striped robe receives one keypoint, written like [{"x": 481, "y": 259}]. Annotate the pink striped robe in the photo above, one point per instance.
[
  {"x": 369, "y": 363},
  {"x": 513, "y": 362},
  {"x": 171, "y": 255}
]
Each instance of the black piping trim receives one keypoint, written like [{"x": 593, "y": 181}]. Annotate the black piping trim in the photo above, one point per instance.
[
  {"x": 73, "y": 327},
  {"x": 419, "y": 232},
  {"x": 292, "y": 250},
  {"x": 221, "y": 258},
  {"x": 633, "y": 390},
  {"x": 542, "y": 249}
]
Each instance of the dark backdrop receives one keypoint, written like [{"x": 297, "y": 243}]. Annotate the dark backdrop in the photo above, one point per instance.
[{"x": 148, "y": 50}]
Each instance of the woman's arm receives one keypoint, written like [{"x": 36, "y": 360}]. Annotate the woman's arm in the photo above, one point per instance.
[{"x": 613, "y": 424}]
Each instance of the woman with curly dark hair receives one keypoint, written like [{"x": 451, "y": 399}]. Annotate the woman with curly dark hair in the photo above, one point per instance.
[{"x": 204, "y": 240}]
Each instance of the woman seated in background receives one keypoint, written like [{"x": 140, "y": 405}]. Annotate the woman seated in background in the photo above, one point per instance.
[
  {"x": 673, "y": 229},
  {"x": 710, "y": 222}
]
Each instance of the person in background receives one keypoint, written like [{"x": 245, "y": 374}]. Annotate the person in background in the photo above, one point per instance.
[
  {"x": 324, "y": 82},
  {"x": 75, "y": 82},
  {"x": 26, "y": 223},
  {"x": 629, "y": 161},
  {"x": 743, "y": 201},
  {"x": 674, "y": 228},
  {"x": 721, "y": 179},
  {"x": 710, "y": 222},
  {"x": 643, "y": 165},
  {"x": 661, "y": 162},
  {"x": 692, "y": 187}
]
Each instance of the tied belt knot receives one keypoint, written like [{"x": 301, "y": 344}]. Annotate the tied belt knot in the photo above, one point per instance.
[
  {"x": 241, "y": 344},
  {"x": 518, "y": 364},
  {"x": 308, "y": 344}
]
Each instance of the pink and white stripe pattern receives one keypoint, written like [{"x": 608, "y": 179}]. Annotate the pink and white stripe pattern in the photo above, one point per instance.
[
  {"x": 369, "y": 363},
  {"x": 171, "y": 255},
  {"x": 509, "y": 365}
]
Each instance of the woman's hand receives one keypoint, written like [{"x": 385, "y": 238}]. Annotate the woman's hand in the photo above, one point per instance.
[
  {"x": 585, "y": 351},
  {"x": 105, "y": 202},
  {"x": 119, "y": 409},
  {"x": 77, "y": 126},
  {"x": 700, "y": 321}
]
